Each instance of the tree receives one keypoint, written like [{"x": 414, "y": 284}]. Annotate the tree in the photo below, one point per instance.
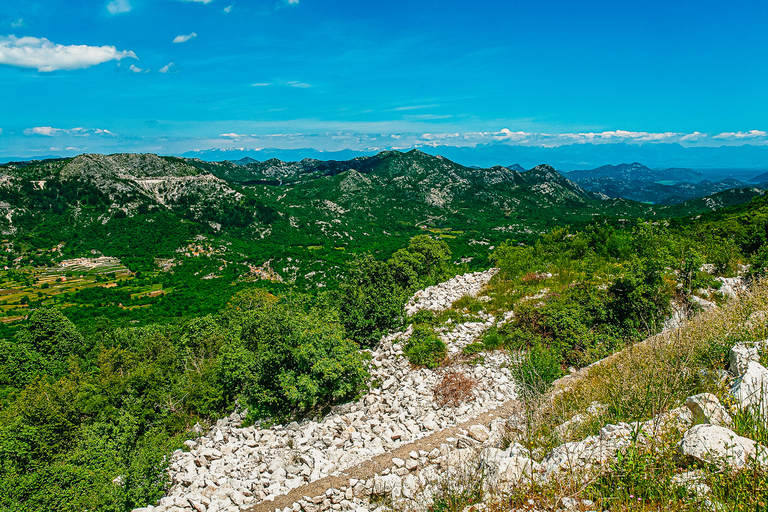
[
  {"x": 370, "y": 300},
  {"x": 50, "y": 333},
  {"x": 435, "y": 254}
]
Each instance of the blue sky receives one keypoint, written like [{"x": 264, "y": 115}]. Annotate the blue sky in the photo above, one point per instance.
[{"x": 170, "y": 76}]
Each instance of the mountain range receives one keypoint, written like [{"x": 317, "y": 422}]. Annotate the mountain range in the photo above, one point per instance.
[
  {"x": 304, "y": 217},
  {"x": 661, "y": 186},
  {"x": 740, "y": 162}
]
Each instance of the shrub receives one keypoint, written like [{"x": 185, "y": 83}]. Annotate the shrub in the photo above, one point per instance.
[
  {"x": 299, "y": 363},
  {"x": 640, "y": 298},
  {"x": 424, "y": 347},
  {"x": 370, "y": 300}
]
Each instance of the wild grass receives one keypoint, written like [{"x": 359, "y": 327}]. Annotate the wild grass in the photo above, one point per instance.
[{"x": 642, "y": 382}]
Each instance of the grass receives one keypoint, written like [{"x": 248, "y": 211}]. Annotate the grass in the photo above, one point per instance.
[{"x": 644, "y": 381}]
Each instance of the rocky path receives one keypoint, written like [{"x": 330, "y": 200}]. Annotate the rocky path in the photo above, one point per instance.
[
  {"x": 383, "y": 439},
  {"x": 376, "y": 465}
]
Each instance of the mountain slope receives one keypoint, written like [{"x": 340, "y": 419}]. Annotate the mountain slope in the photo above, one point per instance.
[{"x": 306, "y": 217}]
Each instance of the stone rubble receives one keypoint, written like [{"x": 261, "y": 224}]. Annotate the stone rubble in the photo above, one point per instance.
[
  {"x": 441, "y": 296},
  {"x": 231, "y": 467}
]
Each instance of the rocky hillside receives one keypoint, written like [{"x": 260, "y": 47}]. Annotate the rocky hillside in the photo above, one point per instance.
[
  {"x": 406, "y": 442},
  {"x": 304, "y": 217}
]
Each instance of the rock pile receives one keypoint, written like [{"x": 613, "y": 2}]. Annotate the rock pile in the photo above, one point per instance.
[
  {"x": 441, "y": 296},
  {"x": 232, "y": 467}
]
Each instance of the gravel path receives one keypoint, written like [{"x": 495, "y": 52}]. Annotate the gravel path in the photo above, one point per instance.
[{"x": 376, "y": 465}]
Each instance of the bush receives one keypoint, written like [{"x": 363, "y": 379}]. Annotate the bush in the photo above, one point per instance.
[
  {"x": 454, "y": 388},
  {"x": 424, "y": 347},
  {"x": 640, "y": 298},
  {"x": 370, "y": 300},
  {"x": 297, "y": 363},
  {"x": 537, "y": 369}
]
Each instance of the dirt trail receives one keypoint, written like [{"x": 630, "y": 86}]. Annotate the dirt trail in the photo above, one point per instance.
[{"x": 377, "y": 464}]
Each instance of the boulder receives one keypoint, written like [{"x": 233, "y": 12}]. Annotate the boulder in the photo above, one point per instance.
[
  {"x": 513, "y": 471},
  {"x": 388, "y": 485},
  {"x": 740, "y": 357},
  {"x": 751, "y": 389},
  {"x": 717, "y": 445},
  {"x": 479, "y": 433},
  {"x": 706, "y": 408},
  {"x": 410, "y": 486},
  {"x": 692, "y": 481}
]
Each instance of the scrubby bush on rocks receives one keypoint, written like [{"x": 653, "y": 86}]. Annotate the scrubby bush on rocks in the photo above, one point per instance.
[{"x": 424, "y": 347}]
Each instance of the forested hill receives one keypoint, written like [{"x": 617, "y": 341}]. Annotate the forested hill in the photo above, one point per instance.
[{"x": 193, "y": 227}]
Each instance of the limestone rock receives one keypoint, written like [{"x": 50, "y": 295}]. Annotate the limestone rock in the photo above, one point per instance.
[
  {"x": 479, "y": 432},
  {"x": 751, "y": 389},
  {"x": 514, "y": 471},
  {"x": 740, "y": 357},
  {"x": 720, "y": 446},
  {"x": 706, "y": 408},
  {"x": 692, "y": 481}
]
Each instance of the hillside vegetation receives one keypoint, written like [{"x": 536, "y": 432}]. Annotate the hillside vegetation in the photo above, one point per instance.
[{"x": 105, "y": 377}]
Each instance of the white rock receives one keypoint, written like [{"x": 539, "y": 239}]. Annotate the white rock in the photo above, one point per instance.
[
  {"x": 740, "y": 357},
  {"x": 514, "y": 471},
  {"x": 410, "y": 486},
  {"x": 692, "y": 481},
  {"x": 479, "y": 432},
  {"x": 706, "y": 408},
  {"x": 388, "y": 484},
  {"x": 720, "y": 446},
  {"x": 751, "y": 389}
]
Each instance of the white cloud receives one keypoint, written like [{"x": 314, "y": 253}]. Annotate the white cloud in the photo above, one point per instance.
[
  {"x": 292, "y": 83},
  {"x": 167, "y": 67},
  {"x": 205, "y": 2},
  {"x": 623, "y": 134},
  {"x": 752, "y": 134},
  {"x": 506, "y": 134},
  {"x": 118, "y": 6},
  {"x": 184, "y": 38},
  {"x": 137, "y": 69},
  {"x": 292, "y": 2},
  {"x": 40, "y": 53},
  {"x": 18, "y": 23},
  {"x": 49, "y": 131},
  {"x": 42, "y": 130},
  {"x": 233, "y": 136},
  {"x": 692, "y": 136},
  {"x": 228, "y": 8}
]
